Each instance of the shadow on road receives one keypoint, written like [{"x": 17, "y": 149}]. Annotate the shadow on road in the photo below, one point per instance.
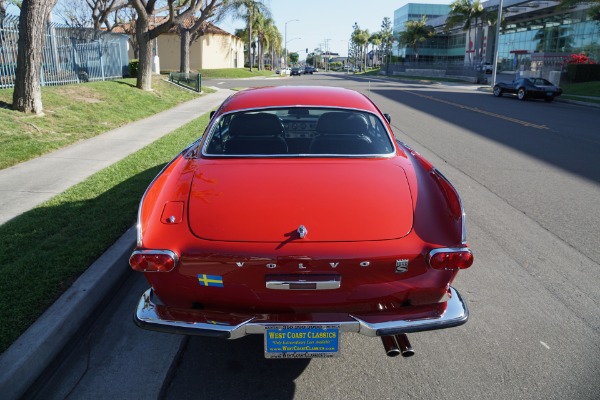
[
  {"x": 215, "y": 369},
  {"x": 572, "y": 144}
]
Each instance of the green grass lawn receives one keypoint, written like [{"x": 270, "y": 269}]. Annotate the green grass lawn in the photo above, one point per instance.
[
  {"x": 582, "y": 89},
  {"x": 233, "y": 73},
  {"x": 46, "y": 249},
  {"x": 76, "y": 112}
]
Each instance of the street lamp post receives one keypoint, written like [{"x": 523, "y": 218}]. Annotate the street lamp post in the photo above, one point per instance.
[
  {"x": 328, "y": 54},
  {"x": 292, "y": 39},
  {"x": 496, "y": 45},
  {"x": 286, "y": 41}
]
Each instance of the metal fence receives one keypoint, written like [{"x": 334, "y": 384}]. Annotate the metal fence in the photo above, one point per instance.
[
  {"x": 448, "y": 69},
  {"x": 70, "y": 55},
  {"x": 192, "y": 81}
]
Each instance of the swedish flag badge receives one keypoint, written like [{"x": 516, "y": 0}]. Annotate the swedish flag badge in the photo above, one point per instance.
[{"x": 210, "y": 280}]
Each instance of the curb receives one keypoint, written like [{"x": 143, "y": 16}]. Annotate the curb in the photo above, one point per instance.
[{"x": 29, "y": 356}]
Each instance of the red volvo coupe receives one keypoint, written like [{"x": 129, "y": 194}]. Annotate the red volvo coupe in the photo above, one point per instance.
[{"x": 299, "y": 216}]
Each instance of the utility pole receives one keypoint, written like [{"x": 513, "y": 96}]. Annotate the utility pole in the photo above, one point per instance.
[
  {"x": 496, "y": 45},
  {"x": 328, "y": 53}
]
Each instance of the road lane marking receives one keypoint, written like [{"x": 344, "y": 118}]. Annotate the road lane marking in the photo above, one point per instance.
[
  {"x": 545, "y": 345},
  {"x": 477, "y": 110}
]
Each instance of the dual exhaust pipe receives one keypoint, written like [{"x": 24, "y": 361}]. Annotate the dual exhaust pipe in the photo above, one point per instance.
[{"x": 397, "y": 345}]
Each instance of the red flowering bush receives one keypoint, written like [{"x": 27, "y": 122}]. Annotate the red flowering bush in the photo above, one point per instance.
[{"x": 580, "y": 58}]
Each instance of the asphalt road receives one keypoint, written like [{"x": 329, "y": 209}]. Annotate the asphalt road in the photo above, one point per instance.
[{"x": 529, "y": 177}]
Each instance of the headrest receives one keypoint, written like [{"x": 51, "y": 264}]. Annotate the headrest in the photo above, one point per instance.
[
  {"x": 259, "y": 124},
  {"x": 342, "y": 123}
]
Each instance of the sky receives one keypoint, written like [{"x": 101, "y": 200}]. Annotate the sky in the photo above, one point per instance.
[
  {"x": 326, "y": 19},
  {"x": 322, "y": 21}
]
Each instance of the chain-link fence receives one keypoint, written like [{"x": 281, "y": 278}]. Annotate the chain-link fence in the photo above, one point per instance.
[{"x": 70, "y": 55}]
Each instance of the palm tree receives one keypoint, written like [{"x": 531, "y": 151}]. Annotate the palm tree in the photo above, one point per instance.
[
  {"x": 414, "y": 33},
  {"x": 273, "y": 42},
  {"x": 360, "y": 40},
  {"x": 375, "y": 41},
  {"x": 264, "y": 29},
  {"x": 387, "y": 36},
  {"x": 248, "y": 9},
  {"x": 463, "y": 12}
]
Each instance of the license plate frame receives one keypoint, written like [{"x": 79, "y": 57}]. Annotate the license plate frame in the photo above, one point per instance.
[{"x": 302, "y": 341}]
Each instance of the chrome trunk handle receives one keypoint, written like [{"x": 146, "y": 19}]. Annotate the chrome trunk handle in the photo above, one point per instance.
[{"x": 303, "y": 282}]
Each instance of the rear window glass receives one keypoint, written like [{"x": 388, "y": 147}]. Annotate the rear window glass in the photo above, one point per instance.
[{"x": 298, "y": 131}]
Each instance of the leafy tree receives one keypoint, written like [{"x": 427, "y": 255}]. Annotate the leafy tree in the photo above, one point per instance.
[
  {"x": 194, "y": 27},
  {"x": 2, "y": 10},
  {"x": 102, "y": 9},
  {"x": 126, "y": 19},
  {"x": 27, "y": 95},
  {"x": 86, "y": 13},
  {"x": 248, "y": 9},
  {"x": 415, "y": 33},
  {"x": 294, "y": 57},
  {"x": 177, "y": 12},
  {"x": 74, "y": 13},
  {"x": 468, "y": 14}
]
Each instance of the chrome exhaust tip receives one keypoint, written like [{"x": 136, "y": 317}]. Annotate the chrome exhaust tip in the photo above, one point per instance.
[
  {"x": 390, "y": 345},
  {"x": 404, "y": 345}
]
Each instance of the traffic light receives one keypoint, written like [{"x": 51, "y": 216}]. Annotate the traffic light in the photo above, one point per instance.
[{"x": 307, "y": 50}]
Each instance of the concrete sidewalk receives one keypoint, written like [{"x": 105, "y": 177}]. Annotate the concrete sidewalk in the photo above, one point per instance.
[{"x": 26, "y": 185}]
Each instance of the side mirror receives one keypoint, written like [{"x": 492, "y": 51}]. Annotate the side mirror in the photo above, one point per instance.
[{"x": 388, "y": 117}]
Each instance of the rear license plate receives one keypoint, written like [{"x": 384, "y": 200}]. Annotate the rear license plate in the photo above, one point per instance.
[{"x": 302, "y": 341}]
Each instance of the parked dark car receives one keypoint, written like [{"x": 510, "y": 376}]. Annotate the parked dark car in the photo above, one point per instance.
[
  {"x": 309, "y": 70},
  {"x": 524, "y": 88},
  {"x": 296, "y": 71}
]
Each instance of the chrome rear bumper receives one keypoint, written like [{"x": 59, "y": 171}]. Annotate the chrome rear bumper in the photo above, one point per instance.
[{"x": 150, "y": 316}]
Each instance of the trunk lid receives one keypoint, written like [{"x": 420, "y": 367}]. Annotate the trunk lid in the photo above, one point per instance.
[{"x": 268, "y": 200}]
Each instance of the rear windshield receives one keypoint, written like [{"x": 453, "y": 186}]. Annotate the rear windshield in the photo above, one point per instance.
[{"x": 298, "y": 131}]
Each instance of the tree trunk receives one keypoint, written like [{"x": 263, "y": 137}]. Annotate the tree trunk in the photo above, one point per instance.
[
  {"x": 27, "y": 95},
  {"x": 144, "y": 78},
  {"x": 184, "y": 60}
]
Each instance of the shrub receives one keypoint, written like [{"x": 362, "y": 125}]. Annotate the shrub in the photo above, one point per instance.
[
  {"x": 583, "y": 72},
  {"x": 133, "y": 68}
]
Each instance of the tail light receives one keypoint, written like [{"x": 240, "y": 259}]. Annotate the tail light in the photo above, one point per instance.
[
  {"x": 153, "y": 260},
  {"x": 450, "y": 258}
]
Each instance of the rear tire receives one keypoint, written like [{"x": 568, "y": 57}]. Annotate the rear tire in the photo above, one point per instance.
[{"x": 521, "y": 94}]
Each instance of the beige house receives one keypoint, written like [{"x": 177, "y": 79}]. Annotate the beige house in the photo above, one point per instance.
[{"x": 215, "y": 49}]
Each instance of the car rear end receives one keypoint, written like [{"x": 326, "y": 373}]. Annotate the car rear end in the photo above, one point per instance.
[{"x": 301, "y": 248}]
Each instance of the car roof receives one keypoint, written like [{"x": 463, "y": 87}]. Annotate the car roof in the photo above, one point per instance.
[{"x": 285, "y": 96}]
